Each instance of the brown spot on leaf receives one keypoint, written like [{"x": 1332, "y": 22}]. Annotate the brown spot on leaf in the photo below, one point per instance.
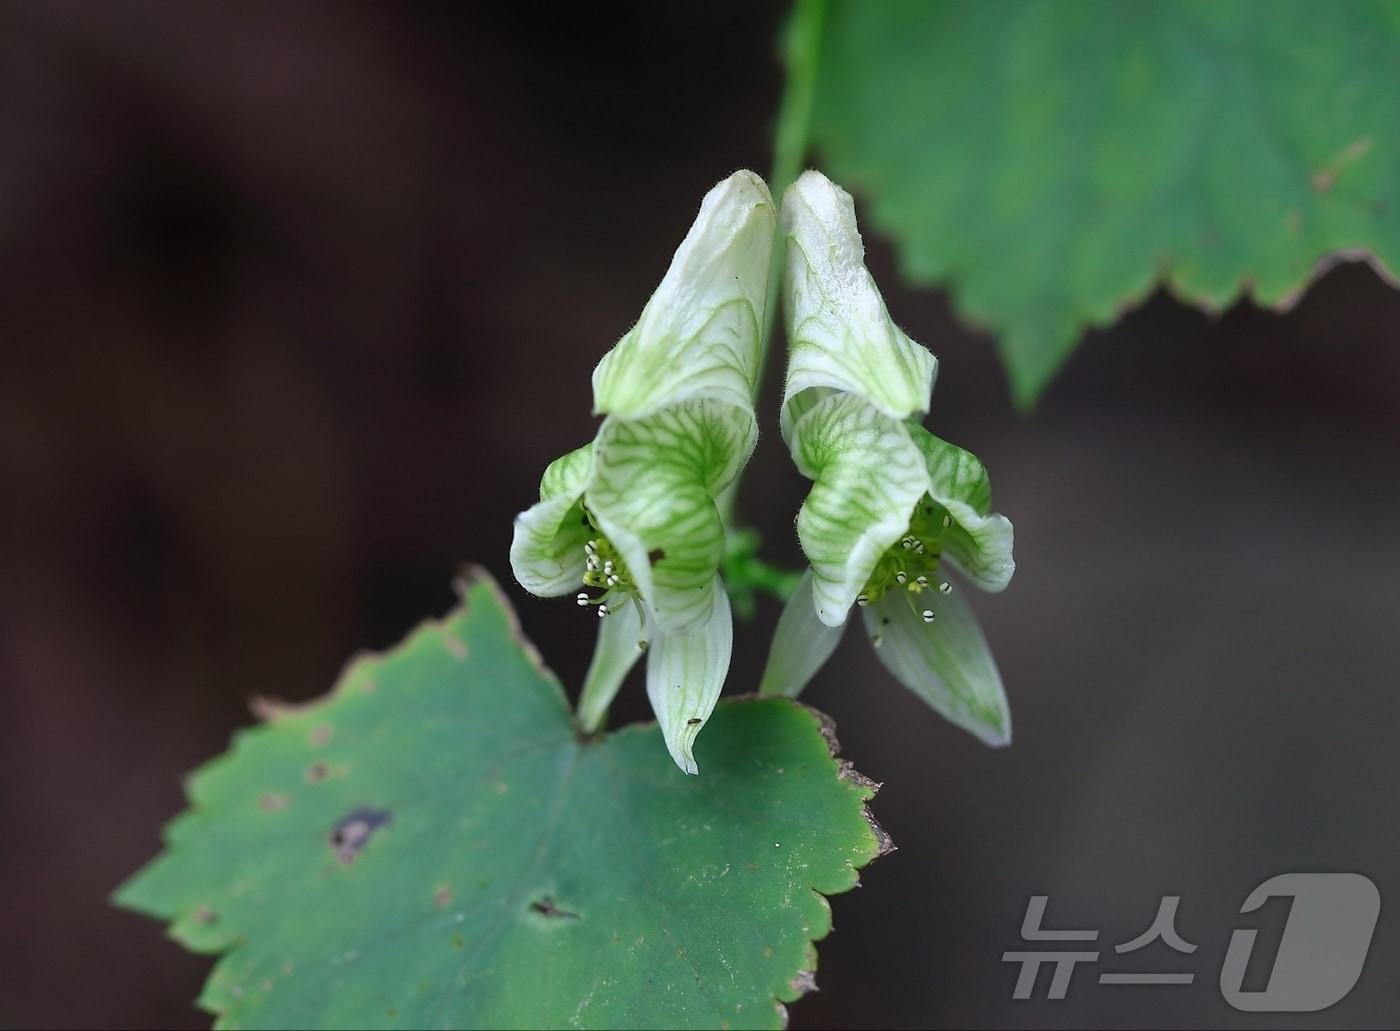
[
  {"x": 273, "y": 802},
  {"x": 827, "y": 726},
  {"x": 320, "y": 735},
  {"x": 205, "y": 916},
  {"x": 804, "y": 982},
  {"x": 656, "y": 555},
  {"x": 545, "y": 907},
  {"x": 884, "y": 844},
  {"x": 849, "y": 773},
  {"x": 455, "y": 646},
  {"x": 442, "y": 898},
  {"x": 317, "y": 772},
  {"x": 350, "y": 836}
]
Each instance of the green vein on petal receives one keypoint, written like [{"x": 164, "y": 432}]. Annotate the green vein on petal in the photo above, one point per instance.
[
  {"x": 953, "y": 472},
  {"x": 685, "y": 672},
  {"x": 652, "y": 493},
  {"x": 979, "y": 544},
  {"x": 867, "y": 477},
  {"x": 546, "y": 549}
]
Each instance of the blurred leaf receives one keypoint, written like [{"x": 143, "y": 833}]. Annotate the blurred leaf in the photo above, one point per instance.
[
  {"x": 432, "y": 845},
  {"x": 1051, "y": 163}
]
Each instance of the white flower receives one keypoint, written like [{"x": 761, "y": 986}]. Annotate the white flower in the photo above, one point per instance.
[
  {"x": 632, "y": 514},
  {"x": 890, "y": 503}
]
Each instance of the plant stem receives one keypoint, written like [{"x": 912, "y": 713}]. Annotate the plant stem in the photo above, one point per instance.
[{"x": 801, "y": 47}]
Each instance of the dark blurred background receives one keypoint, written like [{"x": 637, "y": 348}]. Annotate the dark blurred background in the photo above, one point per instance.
[{"x": 296, "y": 302}]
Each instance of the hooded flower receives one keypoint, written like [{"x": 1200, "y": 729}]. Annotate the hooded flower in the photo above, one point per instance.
[
  {"x": 891, "y": 507},
  {"x": 632, "y": 514}
]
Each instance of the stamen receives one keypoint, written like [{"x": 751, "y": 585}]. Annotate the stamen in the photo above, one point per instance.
[
  {"x": 945, "y": 588},
  {"x": 602, "y": 611},
  {"x": 582, "y": 598},
  {"x": 862, "y": 601},
  {"x": 928, "y": 615},
  {"x": 901, "y": 578}
]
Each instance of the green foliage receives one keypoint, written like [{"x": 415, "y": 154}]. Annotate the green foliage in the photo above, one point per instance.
[
  {"x": 1052, "y": 162},
  {"x": 434, "y": 844}
]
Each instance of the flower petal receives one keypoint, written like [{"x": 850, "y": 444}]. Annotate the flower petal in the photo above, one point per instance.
[
  {"x": 953, "y": 473},
  {"x": 946, "y": 663},
  {"x": 840, "y": 334},
  {"x": 801, "y": 644},
  {"x": 621, "y": 642},
  {"x": 698, "y": 336},
  {"x": 980, "y": 547},
  {"x": 979, "y": 543},
  {"x": 685, "y": 673},
  {"x": 652, "y": 493},
  {"x": 868, "y": 476},
  {"x": 546, "y": 551}
]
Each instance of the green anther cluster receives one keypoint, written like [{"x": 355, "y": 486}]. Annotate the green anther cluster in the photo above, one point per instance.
[{"x": 911, "y": 565}]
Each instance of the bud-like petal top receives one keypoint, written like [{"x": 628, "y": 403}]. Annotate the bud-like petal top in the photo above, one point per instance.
[
  {"x": 840, "y": 335},
  {"x": 698, "y": 336}
]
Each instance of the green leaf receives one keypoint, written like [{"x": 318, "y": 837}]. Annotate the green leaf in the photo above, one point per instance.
[
  {"x": 1052, "y": 163},
  {"x": 433, "y": 844}
]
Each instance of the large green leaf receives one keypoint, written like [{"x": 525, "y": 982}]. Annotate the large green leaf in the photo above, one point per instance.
[
  {"x": 434, "y": 845},
  {"x": 1052, "y": 162}
]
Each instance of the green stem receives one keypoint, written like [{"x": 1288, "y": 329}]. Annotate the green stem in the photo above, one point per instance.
[{"x": 801, "y": 56}]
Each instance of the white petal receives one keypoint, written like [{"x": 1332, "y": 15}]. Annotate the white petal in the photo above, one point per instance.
[
  {"x": 980, "y": 542},
  {"x": 698, "y": 336},
  {"x": 801, "y": 644},
  {"x": 868, "y": 476},
  {"x": 946, "y": 662},
  {"x": 652, "y": 493},
  {"x": 546, "y": 550},
  {"x": 840, "y": 335},
  {"x": 684, "y": 675},
  {"x": 980, "y": 546},
  {"x": 621, "y": 642}
]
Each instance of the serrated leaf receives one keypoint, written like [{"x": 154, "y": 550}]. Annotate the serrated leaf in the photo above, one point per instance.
[
  {"x": 434, "y": 845},
  {"x": 1051, "y": 163}
]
